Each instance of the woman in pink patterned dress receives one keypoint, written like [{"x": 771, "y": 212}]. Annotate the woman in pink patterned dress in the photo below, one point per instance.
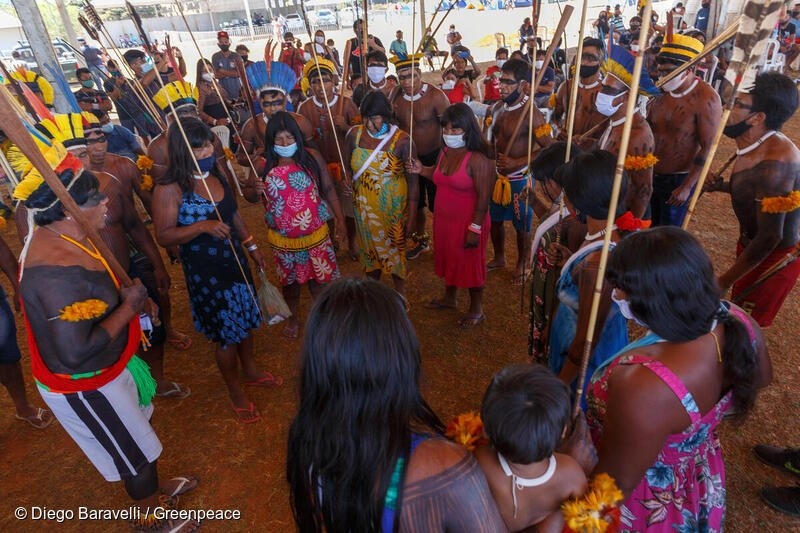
[
  {"x": 296, "y": 214},
  {"x": 653, "y": 409},
  {"x": 464, "y": 178}
]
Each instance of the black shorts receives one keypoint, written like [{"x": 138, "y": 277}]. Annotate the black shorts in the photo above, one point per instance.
[{"x": 427, "y": 189}]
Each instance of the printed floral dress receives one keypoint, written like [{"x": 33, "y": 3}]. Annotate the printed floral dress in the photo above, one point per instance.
[
  {"x": 380, "y": 203},
  {"x": 684, "y": 490},
  {"x": 297, "y": 227}
]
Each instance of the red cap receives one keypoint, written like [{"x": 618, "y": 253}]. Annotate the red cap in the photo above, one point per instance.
[{"x": 222, "y": 35}]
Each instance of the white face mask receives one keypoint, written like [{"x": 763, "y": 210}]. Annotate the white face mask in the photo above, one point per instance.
[
  {"x": 500, "y": 62},
  {"x": 454, "y": 141},
  {"x": 625, "y": 309},
  {"x": 539, "y": 63},
  {"x": 320, "y": 39},
  {"x": 604, "y": 104},
  {"x": 376, "y": 74},
  {"x": 208, "y": 77},
  {"x": 634, "y": 48},
  {"x": 306, "y": 56},
  {"x": 448, "y": 84},
  {"x": 674, "y": 83},
  {"x": 320, "y": 48}
]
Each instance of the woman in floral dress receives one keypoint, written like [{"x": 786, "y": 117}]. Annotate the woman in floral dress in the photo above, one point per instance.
[
  {"x": 296, "y": 215},
  {"x": 654, "y": 408},
  {"x": 383, "y": 192}
]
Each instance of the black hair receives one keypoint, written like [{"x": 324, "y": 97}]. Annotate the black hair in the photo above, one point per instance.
[
  {"x": 588, "y": 181},
  {"x": 360, "y": 400},
  {"x": 524, "y": 412},
  {"x": 501, "y": 50},
  {"x": 460, "y": 116},
  {"x": 775, "y": 95},
  {"x": 449, "y": 71},
  {"x": 376, "y": 103},
  {"x": 271, "y": 92},
  {"x": 541, "y": 52},
  {"x": 670, "y": 283},
  {"x": 182, "y": 166},
  {"x": 132, "y": 55},
  {"x": 99, "y": 113},
  {"x": 544, "y": 166},
  {"x": 109, "y": 85},
  {"x": 520, "y": 69},
  {"x": 201, "y": 69},
  {"x": 283, "y": 121},
  {"x": 43, "y": 196},
  {"x": 82, "y": 70},
  {"x": 356, "y": 23},
  {"x": 377, "y": 55},
  {"x": 595, "y": 43}
]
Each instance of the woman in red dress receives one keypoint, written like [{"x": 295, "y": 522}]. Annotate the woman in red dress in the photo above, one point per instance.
[{"x": 464, "y": 177}]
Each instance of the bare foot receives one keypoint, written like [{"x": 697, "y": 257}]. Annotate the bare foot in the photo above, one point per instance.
[{"x": 495, "y": 264}]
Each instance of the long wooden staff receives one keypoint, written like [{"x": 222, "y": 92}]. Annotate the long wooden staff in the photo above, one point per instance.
[
  {"x": 19, "y": 135},
  {"x": 573, "y": 97},
  {"x": 745, "y": 42},
  {"x": 364, "y": 40},
  {"x": 612, "y": 209},
  {"x": 345, "y": 73},
  {"x": 428, "y": 26},
  {"x": 413, "y": 68},
  {"x": 439, "y": 25},
  {"x": 548, "y": 56},
  {"x": 712, "y": 45}
]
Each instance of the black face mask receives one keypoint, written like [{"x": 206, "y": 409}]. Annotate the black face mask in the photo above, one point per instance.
[
  {"x": 511, "y": 98},
  {"x": 737, "y": 130},
  {"x": 587, "y": 71},
  {"x": 244, "y": 57},
  {"x": 224, "y": 47}
]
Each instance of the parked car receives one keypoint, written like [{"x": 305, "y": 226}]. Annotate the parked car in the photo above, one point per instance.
[
  {"x": 69, "y": 58},
  {"x": 326, "y": 18},
  {"x": 295, "y": 23}
]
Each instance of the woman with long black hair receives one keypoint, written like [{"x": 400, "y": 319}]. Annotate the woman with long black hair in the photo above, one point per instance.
[
  {"x": 366, "y": 451},
  {"x": 198, "y": 214},
  {"x": 296, "y": 182}
]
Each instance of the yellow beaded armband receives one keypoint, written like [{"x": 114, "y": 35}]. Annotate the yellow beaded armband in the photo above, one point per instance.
[
  {"x": 640, "y": 162},
  {"x": 85, "y": 310},
  {"x": 543, "y": 131},
  {"x": 781, "y": 204}
]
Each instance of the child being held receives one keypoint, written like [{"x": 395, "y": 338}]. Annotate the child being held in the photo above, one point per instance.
[{"x": 525, "y": 413}]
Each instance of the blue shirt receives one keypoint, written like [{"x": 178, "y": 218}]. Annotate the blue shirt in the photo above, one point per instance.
[
  {"x": 123, "y": 142},
  {"x": 701, "y": 22},
  {"x": 399, "y": 49}
]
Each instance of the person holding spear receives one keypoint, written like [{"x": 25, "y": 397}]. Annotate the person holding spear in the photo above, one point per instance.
[
  {"x": 589, "y": 79},
  {"x": 765, "y": 193}
]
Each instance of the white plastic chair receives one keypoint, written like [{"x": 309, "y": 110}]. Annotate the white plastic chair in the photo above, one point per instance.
[{"x": 774, "y": 60}]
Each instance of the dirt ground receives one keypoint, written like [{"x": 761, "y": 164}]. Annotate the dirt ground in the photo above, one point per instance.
[{"x": 242, "y": 466}]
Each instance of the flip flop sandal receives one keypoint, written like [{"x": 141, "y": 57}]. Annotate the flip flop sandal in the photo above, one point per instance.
[
  {"x": 438, "y": 304},
  {"x": 41, "y": 420},
  {"x": 490, "y": 267},
  {"x": 471, "y": 321},
  {"x": 177, "y": 392},
  {"x": 247, "y": 415},
  {"x": 267, "y": 380},
  {"x": 183, "y": 485}
]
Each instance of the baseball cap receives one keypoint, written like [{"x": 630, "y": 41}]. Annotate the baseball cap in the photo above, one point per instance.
[{"x": 222, "y": 35}]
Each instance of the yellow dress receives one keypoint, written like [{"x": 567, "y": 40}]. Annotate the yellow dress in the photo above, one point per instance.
[{"x": 380, "y": 202}]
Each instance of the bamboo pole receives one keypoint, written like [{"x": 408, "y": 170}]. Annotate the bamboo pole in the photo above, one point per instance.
[
  {"x": 345, "y": 73},
  {"x": 612, "y": 209},
  {"x": 573, "y": 98}
]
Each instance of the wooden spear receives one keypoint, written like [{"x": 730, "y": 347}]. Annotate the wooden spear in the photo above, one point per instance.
[{"x": 573, "y": 97}]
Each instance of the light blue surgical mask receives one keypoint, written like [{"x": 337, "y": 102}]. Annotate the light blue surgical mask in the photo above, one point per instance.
[
  {"x": 107, "y": 128},
  {"x": 285, "y": 151},
  {"x": 87, "y": 83},
  {"x": 147, "y": 66}
]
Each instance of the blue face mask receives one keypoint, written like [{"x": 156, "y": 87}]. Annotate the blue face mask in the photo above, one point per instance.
[
  {"x": 107, "y": 128},
  {"x": 285, "y": 151},
  {"x": 381, "y": 132},
  {"x": 207, "y": 163},
  {"x": 147, "y": 66}
]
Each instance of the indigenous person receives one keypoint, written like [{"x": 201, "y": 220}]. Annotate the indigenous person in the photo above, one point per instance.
[
  {"x": 548, "y": 83},
  {"x": 457, "y": 90},
  {"x": 526, "y": 32},
  {"x": 131, "y": 111},
  {"x": 83, "y": 330},
  {"x": 460, "y": 66},
  {"x": 525, "y": 413},
  {"x": 10, "y": 368},
  {"x": 654, "y": 408},
  {"x": 588, "y": 180},
  {"x": 121, "y": 141},
  {"x": 198, "y": 214},
  {"x": 765, "y": 192},
  {"x": 463, "y": 177},
  {"x": 430, "y": 49},
  {"x": 424, "y": 104},
  {"x": 384, "y": 192},
  {"x": 684, "y": 120},
  {"x": 589, "y": 84},
  {"x": 296, "y": 183},
  {"x": 291, "y": 55},
  {"x": 210, "y": 108},
  {"x": 362, "y": 418},
  {"x": 89, "y": 98},
  {"x": 324, "y": 103},
  {"x": 145, "y": 68},
  {"x": 225, "y": 66},
  {"x": 611, "y": 102},
  {"x": 273, "y": 86},
  {"x": 39, "y": 85},
  {"x": 244, "y": 55},
  {"x": 509, "y": 198},
  {"x": 377, "y": 67},
  {"x": 357, "y": 46},
  {"x": 558, "y": 235},
  {"x": 491, "y": 82}
]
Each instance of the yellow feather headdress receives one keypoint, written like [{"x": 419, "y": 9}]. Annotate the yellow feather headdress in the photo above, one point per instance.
[{"x": 179, "y": 93}]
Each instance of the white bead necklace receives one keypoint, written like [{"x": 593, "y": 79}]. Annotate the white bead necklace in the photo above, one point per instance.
[{"x": 748, "y": 149}]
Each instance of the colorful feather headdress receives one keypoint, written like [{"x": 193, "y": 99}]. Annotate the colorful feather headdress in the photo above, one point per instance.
[
  {"x": 36, "y": 83},
  {"x": 278, "y": 77},
  {"x": 177, "y": 93},
  {"x": 68, "y": 129},
  {"x": 680, "y": 48},
  {"x": 619, "y": 64},
  {"x": 407, "y": 61},
  {"x": 59, "y": 158}
]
